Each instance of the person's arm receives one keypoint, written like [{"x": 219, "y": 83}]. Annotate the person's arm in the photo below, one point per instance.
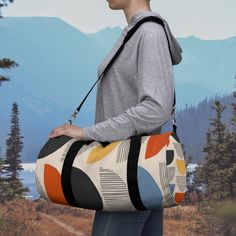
[{"x": 155, "y": 92}]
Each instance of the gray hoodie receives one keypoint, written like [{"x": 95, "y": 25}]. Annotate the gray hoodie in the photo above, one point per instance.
[{"x": 136, "y": 94}]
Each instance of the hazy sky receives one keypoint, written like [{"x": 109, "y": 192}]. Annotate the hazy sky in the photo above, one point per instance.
[{"x": 206, "y": 19}]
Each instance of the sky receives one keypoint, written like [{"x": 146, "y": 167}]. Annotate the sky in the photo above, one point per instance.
[{"x": 205, "y": 19}]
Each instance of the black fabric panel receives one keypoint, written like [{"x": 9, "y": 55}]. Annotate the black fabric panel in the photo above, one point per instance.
[
  {"x": 85, "y": 192},
  {"x": 169, "y": 156},
  {"x": 52, "y": 145},
  {"x": 67, "y": 168},
  {"x": 132, "y": 168}
]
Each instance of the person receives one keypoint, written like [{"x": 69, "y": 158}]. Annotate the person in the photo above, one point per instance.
[{"x": 134, "y": 96}]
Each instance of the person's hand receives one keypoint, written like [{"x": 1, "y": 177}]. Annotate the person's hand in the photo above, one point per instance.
[{"x": 67, "y": 129}]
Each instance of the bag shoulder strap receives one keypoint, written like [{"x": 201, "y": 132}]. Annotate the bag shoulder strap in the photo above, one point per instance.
[{"x": 127, "y": 37}]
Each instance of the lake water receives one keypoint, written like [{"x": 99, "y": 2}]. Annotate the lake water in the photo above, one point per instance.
[{"x": 28, "y": 179}]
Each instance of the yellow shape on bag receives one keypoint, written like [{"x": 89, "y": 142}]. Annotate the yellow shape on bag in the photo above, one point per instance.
[
  {"x": 181, "y": 166},
  {"x": 99, "y": 153}
]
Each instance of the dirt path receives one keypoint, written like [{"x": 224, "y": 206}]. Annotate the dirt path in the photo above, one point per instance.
[{"x": 63, "y": 225}]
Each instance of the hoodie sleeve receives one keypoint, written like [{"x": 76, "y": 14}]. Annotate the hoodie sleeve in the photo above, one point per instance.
[{"x": 155, "y": 93}]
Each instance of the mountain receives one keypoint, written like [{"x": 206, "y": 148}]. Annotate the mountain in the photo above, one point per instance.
[
  {"x": 106, "y": 37},
  {"x": 209, "y": 64},
  {"x": 207, "y": 68},
  {"x": 58, "y": 66}
]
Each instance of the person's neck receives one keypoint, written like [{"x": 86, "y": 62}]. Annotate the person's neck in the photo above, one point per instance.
[{"x": 129, "y": 12}]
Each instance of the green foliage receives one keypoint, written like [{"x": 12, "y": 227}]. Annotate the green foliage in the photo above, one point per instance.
[
  {"x": 4, "y": 3},
  {"x": 216, "y": 175},
  {"x": 10, "y": 184},
  {"x": 233, "y": 118},
  {"x": 4, "y": 186},
  {"x": 6, "y": 63},
  {"x": 218, "y": 218}
]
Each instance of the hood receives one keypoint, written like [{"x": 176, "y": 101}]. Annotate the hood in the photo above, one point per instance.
[{"x": 175, "y": 48}]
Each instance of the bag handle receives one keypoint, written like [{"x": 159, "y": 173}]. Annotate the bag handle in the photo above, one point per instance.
[{"x": 127, "y": 37}]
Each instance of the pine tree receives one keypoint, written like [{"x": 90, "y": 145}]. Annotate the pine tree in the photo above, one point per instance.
[
  {"x": 3, "y": 3},
  {"x": 191, "y": 182},
  {"x": 200, "y": 176},
  {"x": 3, "y": 182},
  {"x": 12, "y": 161},
  {"x": 212, "y": 173},
  {"x": 6, "y": 63},
  {"x": 230, "y": 171},
  {"x": 233, "y": 118},
  {"x": 231, "y": 149}
]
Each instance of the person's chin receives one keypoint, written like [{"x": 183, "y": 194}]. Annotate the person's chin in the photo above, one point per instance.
[{"x": 111, "y": 6}]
